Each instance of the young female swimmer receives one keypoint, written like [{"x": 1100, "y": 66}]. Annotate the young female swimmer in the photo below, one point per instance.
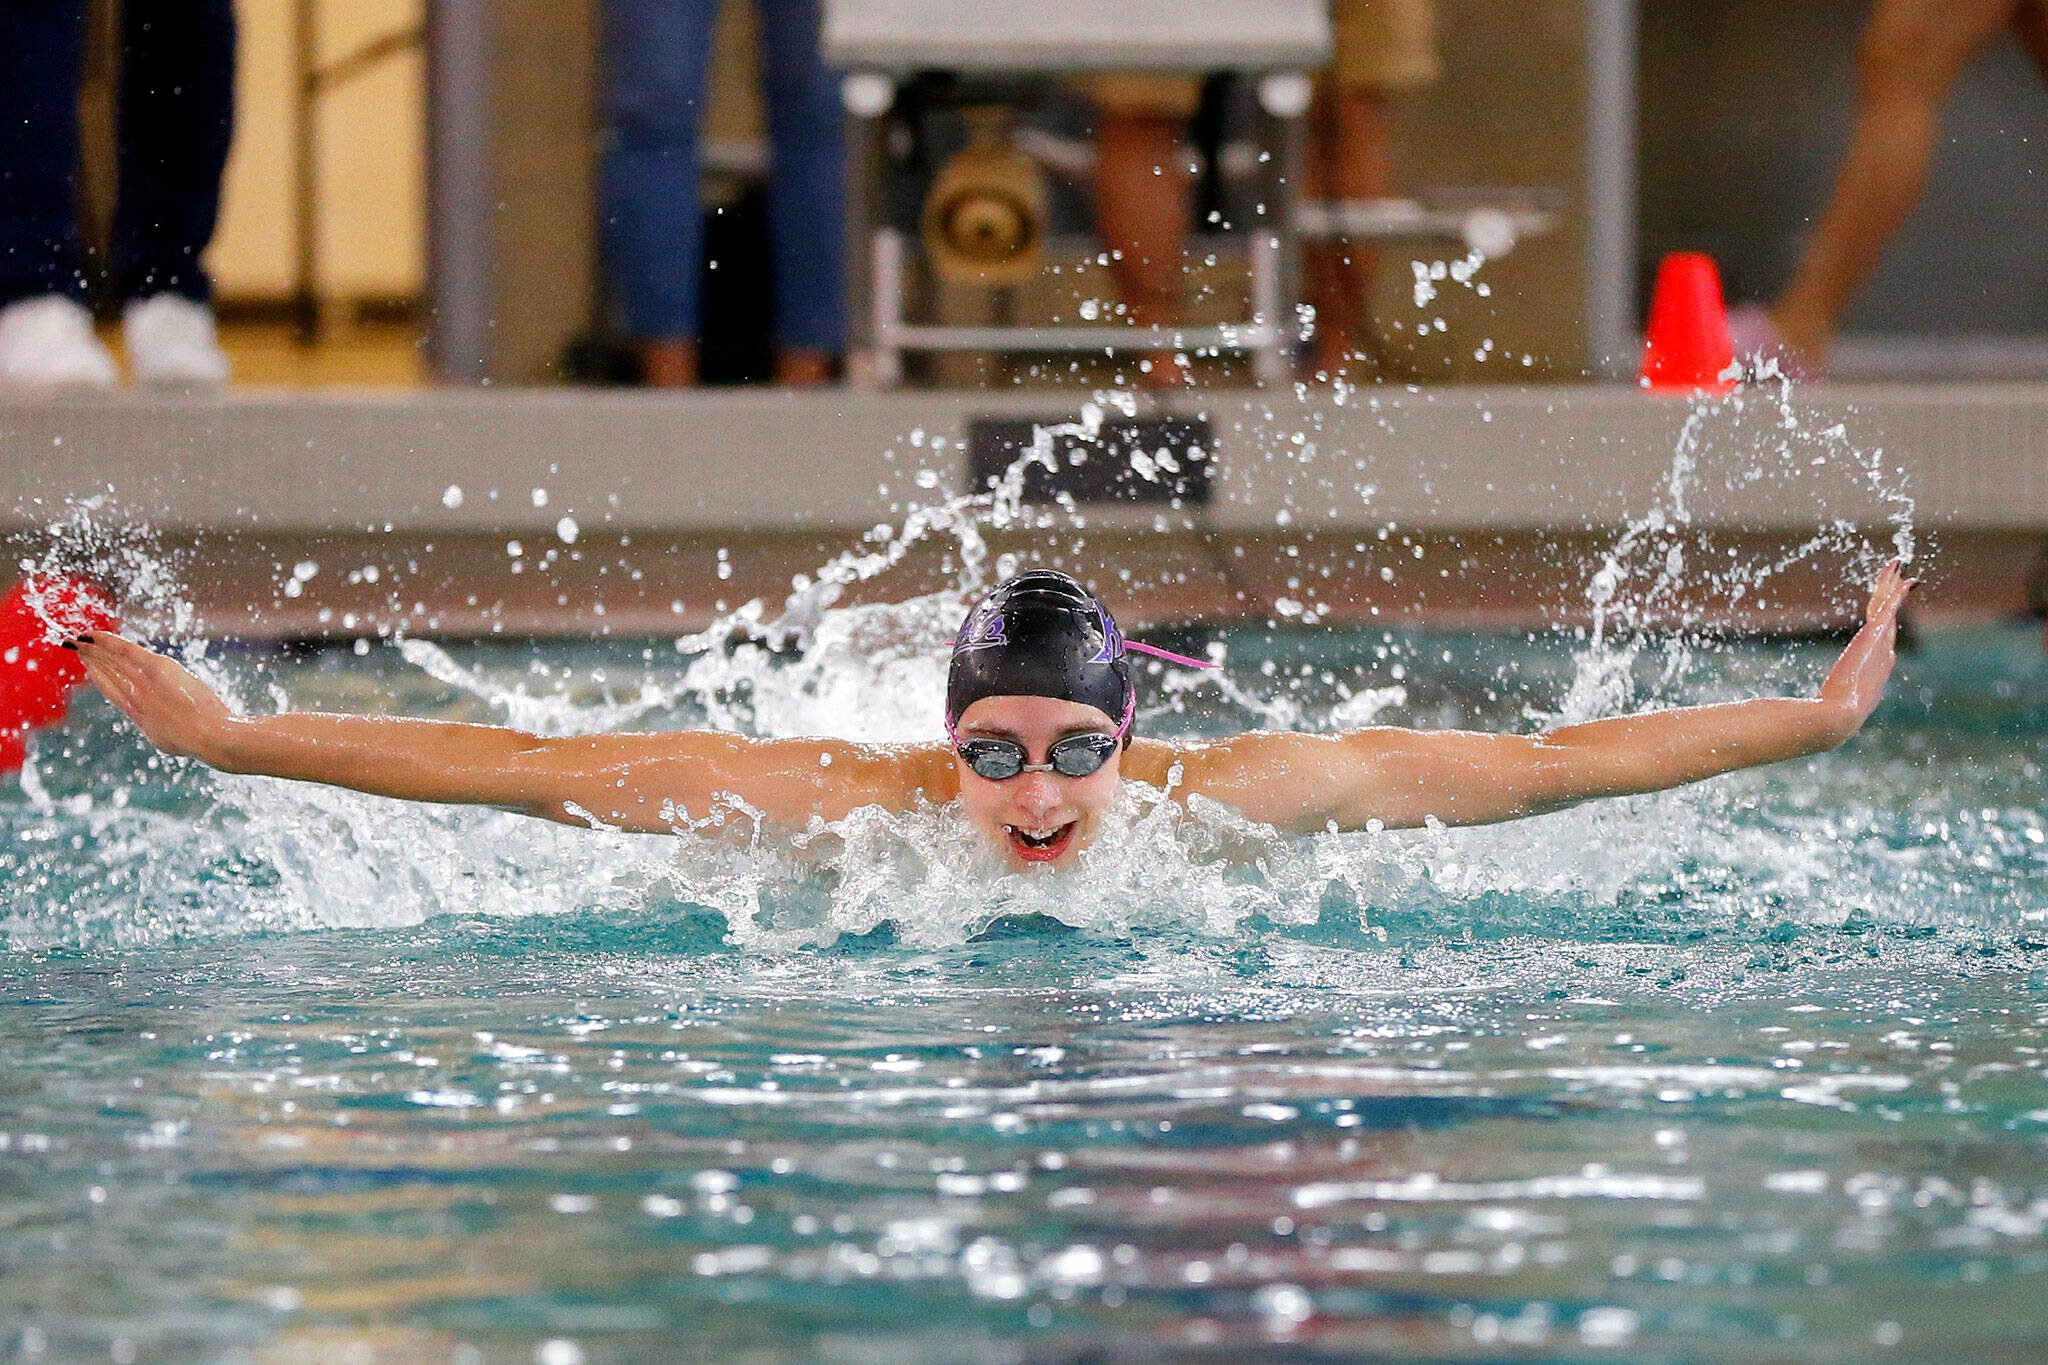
[{"x": 1039, "y": 702}]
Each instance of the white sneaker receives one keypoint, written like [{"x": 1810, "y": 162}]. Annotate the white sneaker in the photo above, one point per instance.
[
  {"x": 48, "y": 343},
  {"x": 172, "y": 343}
]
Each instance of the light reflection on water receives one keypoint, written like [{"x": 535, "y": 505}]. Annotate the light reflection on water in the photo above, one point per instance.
[{"x": 1776, "y": 1091}]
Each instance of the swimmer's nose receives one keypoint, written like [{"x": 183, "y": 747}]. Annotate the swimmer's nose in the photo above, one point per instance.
[{"x": 1037, "y": 792}]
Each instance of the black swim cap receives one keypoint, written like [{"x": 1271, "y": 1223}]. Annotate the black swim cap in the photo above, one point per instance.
[{"x": 1040, "y": 634}]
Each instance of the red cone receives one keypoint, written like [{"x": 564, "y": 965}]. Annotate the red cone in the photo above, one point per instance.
[
  {"x": 37, "y": 675},
  {"x": 1688, "y": 346}
]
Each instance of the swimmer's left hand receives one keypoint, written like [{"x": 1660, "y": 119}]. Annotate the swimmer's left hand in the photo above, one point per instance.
[
  {"x": 1856, "y": 683},
  {"x": 173, "y": 709}
]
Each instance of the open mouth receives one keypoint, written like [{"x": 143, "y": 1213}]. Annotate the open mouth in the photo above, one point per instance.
[{"x": 1040, "y": 845}]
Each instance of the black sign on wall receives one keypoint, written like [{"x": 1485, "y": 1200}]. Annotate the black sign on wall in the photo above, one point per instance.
[{"x": 1140, "y": 460}]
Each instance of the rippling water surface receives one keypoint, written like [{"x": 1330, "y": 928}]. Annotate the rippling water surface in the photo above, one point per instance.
[{"x": 1753, "y": 1071}]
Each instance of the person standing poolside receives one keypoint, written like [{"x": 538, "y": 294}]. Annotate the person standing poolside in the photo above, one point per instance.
[
  {"x": 657, "y": 56},
  {"x": 175, "y": 118},
  {"x": 1381, "y": 50},
  {"x": 1039, "y": 707},
  {"x": 1910, "y": 57}
]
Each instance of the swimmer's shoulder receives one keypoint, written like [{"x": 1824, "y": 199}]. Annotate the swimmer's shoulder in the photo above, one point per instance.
[
  {"x": 1152, "y": 762},
  {"x": 833, "y": 777},
  {"x": 909, "y": 773},
  {"x": 1227, "y": 767}
]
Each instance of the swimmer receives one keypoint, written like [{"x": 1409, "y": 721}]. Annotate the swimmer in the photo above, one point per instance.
[{"x": 1039, "y": 707}]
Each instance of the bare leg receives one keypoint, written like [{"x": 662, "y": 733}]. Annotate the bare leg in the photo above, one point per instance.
[
  {"x": 1142, "y": 192},
  {"x": 801, "y": 367},
  {"x": 1908, "y": 60},
  {"x": 668, "y": 363},
  {"x": 1347, "y": 160}
]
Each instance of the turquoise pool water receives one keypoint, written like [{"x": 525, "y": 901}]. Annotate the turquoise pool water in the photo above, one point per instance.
[{"x": 1756, "y": 1070}]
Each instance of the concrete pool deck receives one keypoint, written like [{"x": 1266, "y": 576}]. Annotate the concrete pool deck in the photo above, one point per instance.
[{"x": 1494, "y": 502}]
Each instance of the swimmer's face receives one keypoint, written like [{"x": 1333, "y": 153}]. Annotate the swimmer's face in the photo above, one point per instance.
[{"x": 1036, "y": 819}]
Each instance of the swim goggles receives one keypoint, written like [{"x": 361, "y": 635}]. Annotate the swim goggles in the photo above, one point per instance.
[
  {"x": 999, "y": 760},
  {"x": 1081, "y": 755}
]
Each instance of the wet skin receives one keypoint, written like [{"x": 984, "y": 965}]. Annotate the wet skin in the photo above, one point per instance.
[
  {"x": 1036, "y": 819},
  {"x": 1378, "y": 777}
]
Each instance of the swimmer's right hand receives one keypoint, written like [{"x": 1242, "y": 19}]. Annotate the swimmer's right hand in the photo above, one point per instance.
[{"x": 173, "y": 709}]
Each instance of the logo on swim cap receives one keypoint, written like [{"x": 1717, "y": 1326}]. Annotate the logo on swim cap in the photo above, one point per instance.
[
  {"x": 1112, "y": 638},
  {"x": 983, "y": 629}
]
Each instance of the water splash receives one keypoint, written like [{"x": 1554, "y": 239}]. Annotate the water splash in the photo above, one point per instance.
[
  {"x": 1653, "y": 585},
  {"x": 139, "y": 848},
  {"x": 97, "y": 538}
]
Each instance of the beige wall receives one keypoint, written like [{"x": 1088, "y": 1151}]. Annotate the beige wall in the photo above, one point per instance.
[
  {"x": 1508, "y": 112},
  {"x": 371, "y": 167}
]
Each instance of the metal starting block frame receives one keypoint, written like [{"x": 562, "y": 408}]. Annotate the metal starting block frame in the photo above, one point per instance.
[
  {"x": 880, "y": 44},
  {"x": 1491, "y": 225},
  {"x": 891, "y": 335}
]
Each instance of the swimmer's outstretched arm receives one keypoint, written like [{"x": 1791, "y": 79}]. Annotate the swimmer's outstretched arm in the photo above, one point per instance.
[
  {"x": 645, "y": 783},
  {"x": 1404, "y": 777}
]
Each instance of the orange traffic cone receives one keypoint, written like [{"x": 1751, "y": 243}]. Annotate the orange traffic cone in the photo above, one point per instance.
[{"x": 1688, "y": 347}]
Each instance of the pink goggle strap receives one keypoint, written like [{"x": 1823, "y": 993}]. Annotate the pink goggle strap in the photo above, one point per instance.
[{"x": 1156, "y": 652}]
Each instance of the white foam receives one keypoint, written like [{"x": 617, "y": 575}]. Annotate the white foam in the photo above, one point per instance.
[{"x": 258, "y": 853}]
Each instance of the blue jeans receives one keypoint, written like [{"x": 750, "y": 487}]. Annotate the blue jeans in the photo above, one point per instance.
[
  {"x": 657, "y": 55},
  {"x": 175, "y": 119}
]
